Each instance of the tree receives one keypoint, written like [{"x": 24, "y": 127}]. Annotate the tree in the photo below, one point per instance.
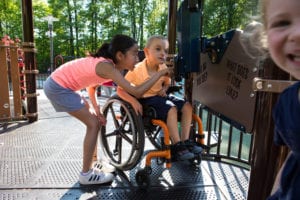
[
  {"x": 11, "y": 18},
  {"x": 222, "y": 15},
  {"x": 85, "y": 24}
]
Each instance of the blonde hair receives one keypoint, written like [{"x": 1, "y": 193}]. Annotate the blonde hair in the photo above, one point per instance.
[
  {"x": 253, "y": 40},
  {"x": 154, "y": 37}
]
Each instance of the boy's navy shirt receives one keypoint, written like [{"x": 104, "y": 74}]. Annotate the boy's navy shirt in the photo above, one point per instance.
[{"x": 286, "y": 115}]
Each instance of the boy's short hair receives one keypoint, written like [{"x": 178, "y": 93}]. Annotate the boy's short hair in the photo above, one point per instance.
[{"x": 150, "y": 39}]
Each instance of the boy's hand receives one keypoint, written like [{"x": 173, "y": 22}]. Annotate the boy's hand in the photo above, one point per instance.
[{"x": 167, "y": 72}]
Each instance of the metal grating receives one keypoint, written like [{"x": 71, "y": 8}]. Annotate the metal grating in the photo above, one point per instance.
[
  {"x": 180, "y": 173},
  {"x": 60, "y": 174},
  {"x": 232, "y": 181},
  {"x": 17, "y": 173},
  {"x": 115, "y": 194},
  {"x": 24, "y": 153},
  {"x": 32, "y": 139},
  {"x": 42, "y": 160}
]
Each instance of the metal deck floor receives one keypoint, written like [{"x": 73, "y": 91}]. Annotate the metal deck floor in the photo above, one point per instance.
[{"x": 42, "y": 160}]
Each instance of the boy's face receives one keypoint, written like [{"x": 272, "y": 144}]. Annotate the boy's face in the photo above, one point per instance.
[
  {"x": 283, "y": 33},
  {"x": 157, "y": 52}
]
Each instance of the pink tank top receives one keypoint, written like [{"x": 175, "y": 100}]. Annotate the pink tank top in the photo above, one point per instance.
[{"x": 80, "y": 73}]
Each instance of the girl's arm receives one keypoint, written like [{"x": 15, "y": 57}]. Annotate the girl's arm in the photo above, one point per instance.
[
  {"x": 92, "y": 94},
  {"x": 107, "y": 70},
  {"x": 165, "y": 87},
  {"x": 130, "y": 99}
]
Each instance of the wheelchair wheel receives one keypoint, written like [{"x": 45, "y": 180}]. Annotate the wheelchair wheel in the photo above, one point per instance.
[
  {"x": 123, "y": 136},
  {"x": 155, "y": 134},
  {"x": 142, "y": 178}
]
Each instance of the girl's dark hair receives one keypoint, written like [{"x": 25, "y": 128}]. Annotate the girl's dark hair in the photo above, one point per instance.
[{"x": 119, "y": 42}]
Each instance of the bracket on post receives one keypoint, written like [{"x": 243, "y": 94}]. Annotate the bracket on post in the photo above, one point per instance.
[{"x": 267, "y": 85}]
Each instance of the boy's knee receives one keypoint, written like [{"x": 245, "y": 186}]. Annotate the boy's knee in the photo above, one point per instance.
[
  {"x": 172, "y": 111},
  {"x": 188, "y": 107}
]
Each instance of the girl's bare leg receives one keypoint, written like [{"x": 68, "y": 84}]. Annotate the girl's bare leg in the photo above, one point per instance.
[{"x": 90, "y": 140}]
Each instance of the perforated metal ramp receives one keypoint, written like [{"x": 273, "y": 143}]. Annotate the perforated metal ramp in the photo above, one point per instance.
[{"x": 42, "y": 161}]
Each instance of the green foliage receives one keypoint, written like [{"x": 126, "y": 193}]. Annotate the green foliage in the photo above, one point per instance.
[
  {"x": 220, "y": 16},
  {"x": 84, "y": 25},
  {"x": 11, "y": 18}
]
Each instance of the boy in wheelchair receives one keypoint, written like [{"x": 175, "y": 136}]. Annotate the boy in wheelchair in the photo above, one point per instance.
[{"x": 167, "y": 107}]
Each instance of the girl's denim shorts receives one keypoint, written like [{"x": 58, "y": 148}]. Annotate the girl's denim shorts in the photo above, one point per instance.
[{"x": 62, "y": 99}]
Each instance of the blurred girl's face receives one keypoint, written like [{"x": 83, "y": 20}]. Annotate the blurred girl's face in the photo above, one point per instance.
[
  {"x": 283, "y": 33},
  {"x": 129, "y": 59}
]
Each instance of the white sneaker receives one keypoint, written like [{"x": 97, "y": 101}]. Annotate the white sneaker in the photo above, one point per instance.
[
  {"x": 104, "y": 166},
  {"x": 95, "y": 176}
]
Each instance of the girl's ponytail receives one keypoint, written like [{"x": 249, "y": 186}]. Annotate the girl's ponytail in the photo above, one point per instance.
[
  {"x": 103, "y": 51},
  {"x": 119, "y": 43}
]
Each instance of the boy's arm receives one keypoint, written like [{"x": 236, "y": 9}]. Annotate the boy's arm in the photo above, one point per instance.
[{"x": 165, "y": 87}]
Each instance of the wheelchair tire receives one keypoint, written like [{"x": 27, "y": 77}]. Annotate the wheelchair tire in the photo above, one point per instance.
[
  {"x": 142, "y": 179},
  {"x": 123, "y": 137},
  {"x": 154, "y": 136}
]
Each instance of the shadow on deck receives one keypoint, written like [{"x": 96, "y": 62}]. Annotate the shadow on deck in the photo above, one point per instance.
[{"x": 42, "y": 160}]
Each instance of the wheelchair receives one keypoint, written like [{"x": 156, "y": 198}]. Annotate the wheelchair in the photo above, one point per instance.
[{"x": 123, "y": 138}]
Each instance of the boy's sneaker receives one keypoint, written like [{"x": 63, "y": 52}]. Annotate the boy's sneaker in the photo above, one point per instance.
[
  {"x": 104, "y": 166},
  {"x": 193, "y": 147},
  {"x": 181, "y": 152},
  {"x": 95, "y": 176}
]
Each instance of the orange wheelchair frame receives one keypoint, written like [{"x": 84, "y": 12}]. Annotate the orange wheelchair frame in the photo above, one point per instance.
[{"x": 125, "y": 127}]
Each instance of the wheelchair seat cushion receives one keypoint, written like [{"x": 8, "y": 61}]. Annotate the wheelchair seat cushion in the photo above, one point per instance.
[
  {"x": 162, "y": 105},
  {"x": 149, "y": 113}
]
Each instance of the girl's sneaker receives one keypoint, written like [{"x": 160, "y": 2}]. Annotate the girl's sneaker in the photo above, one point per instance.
[
  {"x": 104, "y": 166},
  {"x": 95, "y": 176}
]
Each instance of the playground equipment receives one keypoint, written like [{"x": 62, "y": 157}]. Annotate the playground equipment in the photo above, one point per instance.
[
  {"x": 13, "y": 82},
  {"x": 24, "y": 86},
  {"x": 222, "y": 79}
]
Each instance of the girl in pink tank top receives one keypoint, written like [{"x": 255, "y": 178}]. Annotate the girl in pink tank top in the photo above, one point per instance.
[{"x": 104, "y": 65}]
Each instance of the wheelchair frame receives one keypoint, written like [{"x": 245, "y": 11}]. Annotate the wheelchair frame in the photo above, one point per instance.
[{"x": 123, "y": 141}]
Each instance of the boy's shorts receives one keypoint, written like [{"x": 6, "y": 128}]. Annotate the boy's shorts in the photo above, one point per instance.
[
  {"x": 162, "y": 105},
  {"x": 62, "y": 99}
]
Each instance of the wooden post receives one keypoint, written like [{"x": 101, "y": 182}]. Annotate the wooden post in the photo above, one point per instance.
[
  {"x": 30, "y": 65},
  {"x": 172, "y": 26},
  {"x": 267, "y": 158},
  {"x": 4, "y": 91},
  {"x": 15, "y": 79}
]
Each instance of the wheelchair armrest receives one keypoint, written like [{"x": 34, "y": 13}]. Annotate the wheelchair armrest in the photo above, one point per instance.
[
  {"x": 174, "y": 88},
  {"x": 115, "y": 96},
  {"x": 149, "y": 111}
]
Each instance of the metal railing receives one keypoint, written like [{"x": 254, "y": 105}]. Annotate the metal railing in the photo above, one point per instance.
[{"x": 226, "y": 143}]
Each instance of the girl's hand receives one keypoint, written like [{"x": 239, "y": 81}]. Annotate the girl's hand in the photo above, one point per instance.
[
  {"x": 162, "y": 93},
  {"x": 100, "y": 116},
  {"x": 138, "y": 108},
  {"x": 102, "y": 119}
]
